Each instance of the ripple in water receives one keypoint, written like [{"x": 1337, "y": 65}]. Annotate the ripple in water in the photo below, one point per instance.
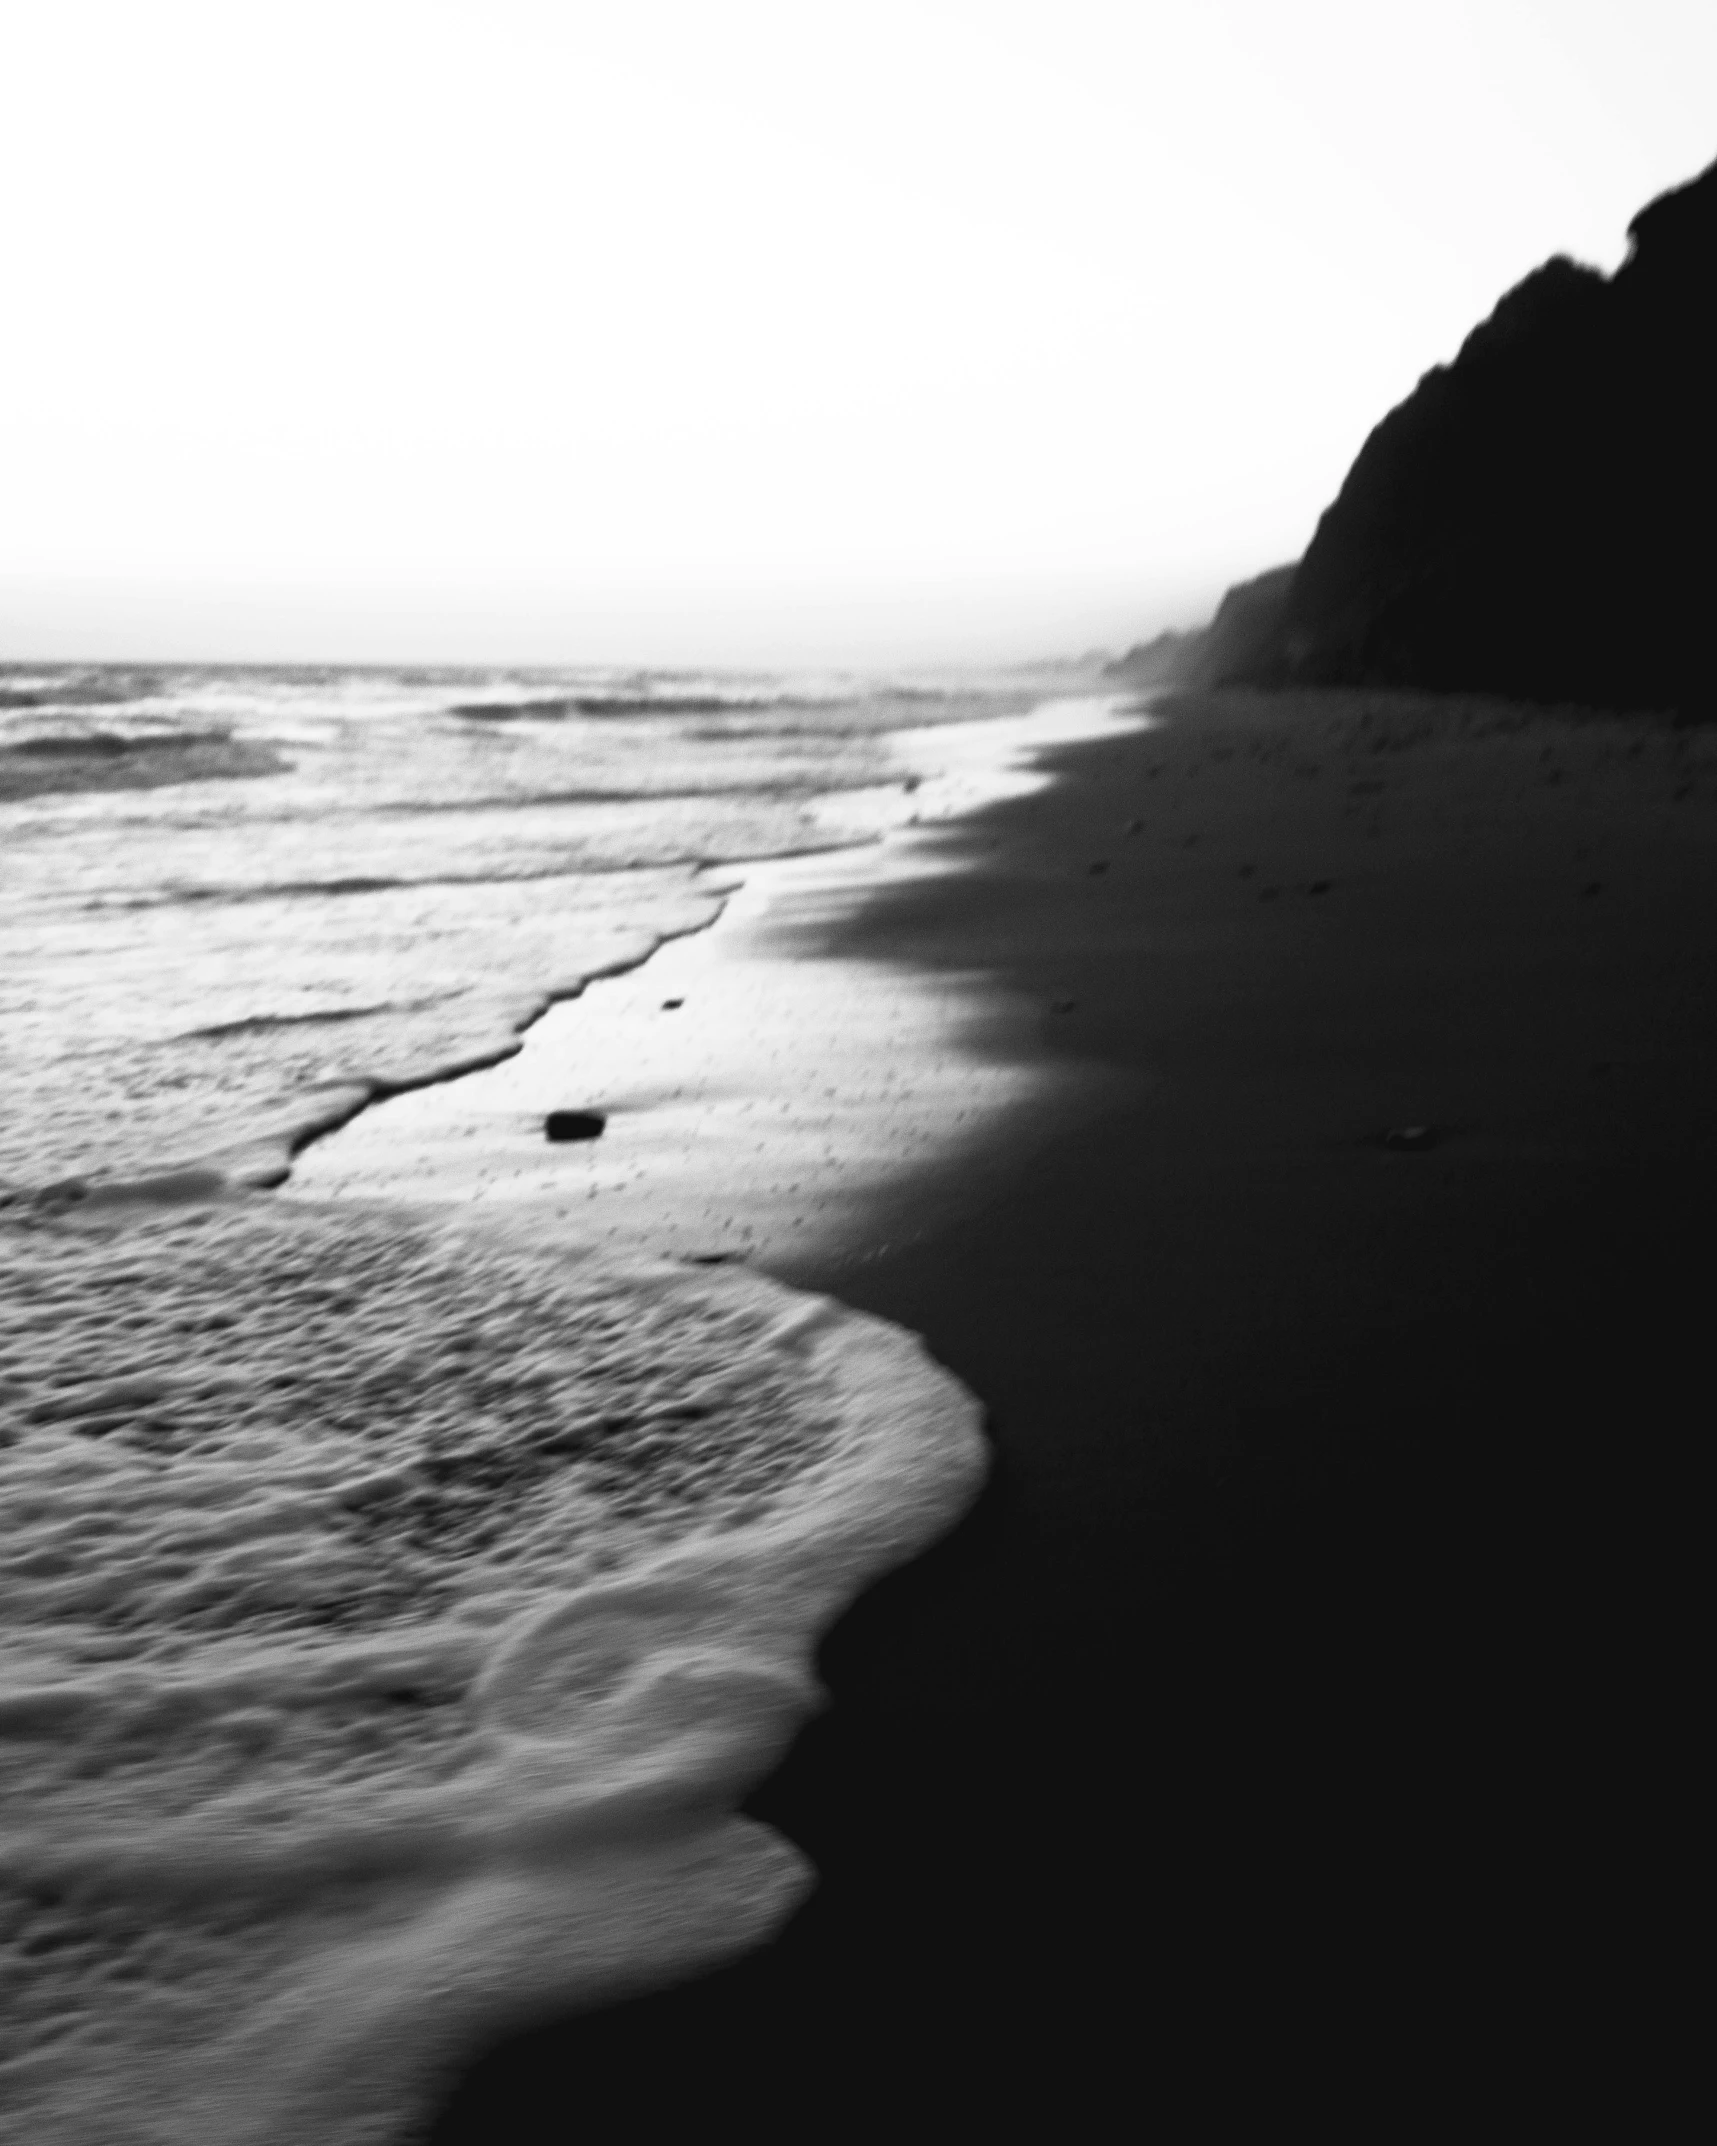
[{"x": 393, "y": 1614}]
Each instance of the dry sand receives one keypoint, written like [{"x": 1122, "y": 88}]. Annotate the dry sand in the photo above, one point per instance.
[{"x": 1297, "y": 1719}]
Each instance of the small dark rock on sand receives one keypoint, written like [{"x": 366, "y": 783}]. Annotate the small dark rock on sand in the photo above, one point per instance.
[
  {"x": 672, "y": 1005},
  {"x": 574, "y": 1124}
]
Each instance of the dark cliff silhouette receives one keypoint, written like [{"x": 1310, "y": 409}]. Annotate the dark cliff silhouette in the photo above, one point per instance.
[
  {"x": 1537, "y": 518},
  {"x": 1244, "y": 634}
]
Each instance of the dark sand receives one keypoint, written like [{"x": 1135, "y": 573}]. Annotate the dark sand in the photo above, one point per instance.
[{"x": 1299, "y": 1719}]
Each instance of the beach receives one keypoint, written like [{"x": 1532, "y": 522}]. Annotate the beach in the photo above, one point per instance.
[
  {"x": 418, "y": 1536},
  {"x": 858, "y": 1019},
  {"x": 1256, "y": 1735},
  {"x": 1076, "y": 1496}
]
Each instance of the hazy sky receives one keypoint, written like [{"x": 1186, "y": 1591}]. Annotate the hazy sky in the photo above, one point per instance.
[{"x": 837, "y": 331}]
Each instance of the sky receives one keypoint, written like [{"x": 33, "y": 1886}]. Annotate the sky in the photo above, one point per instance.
[{"x": 836, "y": 332}]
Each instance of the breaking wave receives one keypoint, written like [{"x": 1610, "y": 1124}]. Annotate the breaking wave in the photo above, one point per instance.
[
  {"x": 105, "y": 760},
  {"x": 643, "y": 702}
]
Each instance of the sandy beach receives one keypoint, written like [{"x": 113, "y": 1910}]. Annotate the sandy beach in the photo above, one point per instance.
[
  {"x": 858, "y": 1019},
  {"x": 1257, "y": 1734}
]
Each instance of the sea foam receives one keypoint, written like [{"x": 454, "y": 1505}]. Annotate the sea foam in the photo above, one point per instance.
[{"x": 393, "y": 1613}]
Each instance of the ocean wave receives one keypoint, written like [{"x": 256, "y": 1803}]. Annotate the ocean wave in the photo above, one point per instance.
[
  {"x": 79, "y": 689},
  {"x": 106, "y": 760},
  {"x": 394, "y": 1615},
  {"x": 113, "y": 1093},
  {"x": 642, "y": 702},
  {"x": 811, "y": 784},
  {"x": 330, "y": 1016},
  {"x": 275, "y": 890},
  {"x": 738, "y": 702},
  {"x": 810, "y": 842}
]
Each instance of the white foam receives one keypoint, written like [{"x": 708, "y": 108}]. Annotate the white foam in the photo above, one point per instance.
[{"x": 384, "y": 1643}]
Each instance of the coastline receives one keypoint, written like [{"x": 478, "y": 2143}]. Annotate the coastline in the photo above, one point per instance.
[
  {"x": 755, "y": 1092},
  {"x": 490, "y": 1897},
  {"x": 1246, "y": 1730}
]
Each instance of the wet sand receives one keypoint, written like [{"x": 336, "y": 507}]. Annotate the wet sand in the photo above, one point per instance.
[
  {"x": 755, "y": 1089},
  {"x": 1296, "y": 1720}
]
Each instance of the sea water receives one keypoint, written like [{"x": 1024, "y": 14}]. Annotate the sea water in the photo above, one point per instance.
[
  {"x": 394, "y": 1606},
  {"x": 235, "y": 905}
]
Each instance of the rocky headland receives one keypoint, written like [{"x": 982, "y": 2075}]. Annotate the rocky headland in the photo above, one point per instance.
[{"x": 1535, "y": 520}]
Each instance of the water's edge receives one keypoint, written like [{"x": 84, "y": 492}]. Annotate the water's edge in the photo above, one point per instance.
[{"x": 593, "y": 1853}]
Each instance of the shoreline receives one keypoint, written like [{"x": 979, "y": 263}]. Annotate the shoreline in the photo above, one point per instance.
[
  {"x": 733, "y": 1685},
  {"x": 508, "y": 971},
  {"x": 553, "y": 1818},
  {"x": 1246, "y": 1727},
  {"x": 755, "y": 1095}
]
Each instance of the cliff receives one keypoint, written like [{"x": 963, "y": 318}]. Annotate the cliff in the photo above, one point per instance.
[
  {"x": 1536, "y": 519},
  {"x": 1156, "y": 663},
  {"x": 1239, "y": 639},
  {"x": 1244, "y": 635}
]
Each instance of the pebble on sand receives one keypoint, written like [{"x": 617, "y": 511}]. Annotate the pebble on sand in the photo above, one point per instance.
[{"x": 574, "y": 1124}]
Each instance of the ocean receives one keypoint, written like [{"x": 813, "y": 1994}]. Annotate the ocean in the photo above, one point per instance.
[{"x": 398, "y": 1596}]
